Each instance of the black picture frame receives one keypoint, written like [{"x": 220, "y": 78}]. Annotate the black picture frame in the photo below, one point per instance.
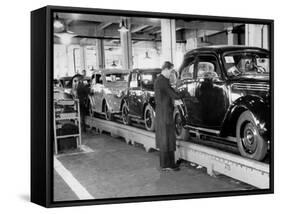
[{"x": 42, "y": 99}]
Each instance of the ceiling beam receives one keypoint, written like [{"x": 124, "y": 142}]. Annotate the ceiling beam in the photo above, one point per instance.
[
  {"x": 200, "y": 25},
  {"x": 106, "y": 19},
  {"x": 103, "y": 25},
  {"x": 154, "y": 30},
  {"x": 138, "y": 28},
  {"x": 90, "y": 18}
]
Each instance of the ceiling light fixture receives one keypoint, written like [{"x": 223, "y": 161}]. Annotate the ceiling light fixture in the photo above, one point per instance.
[
  {"x": 62, "y": 32},
  {"x": 146, "y": 55},
  {"x": 113, "y": 64},
  {"x": 58, "y": 24}
]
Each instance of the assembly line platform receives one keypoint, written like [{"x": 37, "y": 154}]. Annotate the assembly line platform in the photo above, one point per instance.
[{"x": 107, "y": 167}]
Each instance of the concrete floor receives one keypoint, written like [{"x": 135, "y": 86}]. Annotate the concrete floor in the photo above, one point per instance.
[{"x": 114, "y": 169}]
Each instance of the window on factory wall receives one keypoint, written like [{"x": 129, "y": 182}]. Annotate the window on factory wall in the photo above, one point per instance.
[
  {"x": 60, "y": 61},
  {"x": 90, "y": 59},
  {"x": 112, "y": 54},
  {"x": 146, "y": 54},
  {"x": 68, "y": 60},
  {"x": 74, "y": 60}
]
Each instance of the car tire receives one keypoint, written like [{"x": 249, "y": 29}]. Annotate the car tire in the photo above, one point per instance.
[
  {"x": 125, "y": 114},
  {"x": 149, "y": 118},
  {"x": 249, "y": 141},
  {"x": 108, "y": 114},
  {"x": 181, "y": 132}
]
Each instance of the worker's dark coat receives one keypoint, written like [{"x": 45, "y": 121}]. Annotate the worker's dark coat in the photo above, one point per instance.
[
  {"x": 82, "y": 94},
  {"x": 165, "y": 127}
]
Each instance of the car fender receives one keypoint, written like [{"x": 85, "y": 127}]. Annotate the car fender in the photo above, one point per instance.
[
  {"x": 124, "y": 99},
  {"x": 109, "y": 100},
  {"x": 151, "y": 101},
  {"x": 256, "y": 105}
]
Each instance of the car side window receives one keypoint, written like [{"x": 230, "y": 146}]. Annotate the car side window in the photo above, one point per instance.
[
  {"x": 98, "y": 79},
  {"x": 147, "y": 81},
  {"x": 208, "y": 67},
  {"x": 134, "y": 80},
  {"x": 187, "y": 72},
  {"x": 187, "y": 69}
]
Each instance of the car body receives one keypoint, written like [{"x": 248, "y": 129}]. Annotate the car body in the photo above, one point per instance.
[
  {"x": 227, "y": 96},
  {"x": 139, "y": 101},
  {"x": 107, "y": 90}
]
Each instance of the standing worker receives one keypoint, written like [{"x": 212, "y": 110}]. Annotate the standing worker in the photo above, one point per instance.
[
  {"x": 83, "y": 91},
  {"x": 80, "y": 91},
  {"x": 165, "y": 126}
]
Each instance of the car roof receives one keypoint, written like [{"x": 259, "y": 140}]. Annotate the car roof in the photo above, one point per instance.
[
  {"x": 65, "y": 78},
  {"x": 113, "y": 71},
  {"x": 147, "y": 70},
  {"x": 219, "y": 49}
]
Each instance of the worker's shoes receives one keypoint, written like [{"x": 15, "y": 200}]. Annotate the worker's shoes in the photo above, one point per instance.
[{"x": 171, "y": 168}]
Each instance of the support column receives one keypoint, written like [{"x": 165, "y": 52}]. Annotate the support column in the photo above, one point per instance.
[
  {"x": 82, "y": 57},
  {"x": 230, "y": 36},
  {"x": 126, "y": 46},
  {"x": 100, "y": 54},
  {"x": 66, "y": 61},
  {"x": 168, "y": 40},
  {"x": 191, "y": 37},
  {"x": 257, "y": 35}
]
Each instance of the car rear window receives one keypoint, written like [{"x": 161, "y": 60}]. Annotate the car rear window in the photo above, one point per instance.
[{"x": 116, "y": 77}]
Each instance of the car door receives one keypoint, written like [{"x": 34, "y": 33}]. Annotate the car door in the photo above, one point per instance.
[
  {"x": 187, "y": 84},
  {"x": 211, "y": 91},
  {"x": 134, "y": 94}
]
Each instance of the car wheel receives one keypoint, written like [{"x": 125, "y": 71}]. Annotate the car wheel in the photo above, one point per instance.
[
  {"x": 149, "y": 118},
  {"x": 125, "y": 114},
  {"x": 108, "y": 114},
  {"x": 181, "y": 132},
  {"x": 249, "y": 141}
]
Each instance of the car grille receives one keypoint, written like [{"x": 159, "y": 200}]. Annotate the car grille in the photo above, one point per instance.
[{"x": 252, "y": 87}]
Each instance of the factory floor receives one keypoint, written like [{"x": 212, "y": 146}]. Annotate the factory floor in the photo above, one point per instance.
[{"x": 106, "y": 167}]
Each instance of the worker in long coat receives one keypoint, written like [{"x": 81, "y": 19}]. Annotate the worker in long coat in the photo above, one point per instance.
[{"x": 165, "y": 126}]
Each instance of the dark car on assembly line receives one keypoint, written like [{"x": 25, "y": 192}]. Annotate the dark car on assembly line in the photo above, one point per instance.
[
  {"x": 138, "y": 103},
  {"x": 228, "y": 97}
]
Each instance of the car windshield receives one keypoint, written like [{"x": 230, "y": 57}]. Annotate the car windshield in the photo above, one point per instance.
[
  {"x": 147, "y": 80},
  {"x": 116, "y": 77},
  {"x": 66, "y": 83},
  {"x": 247, "y": 64}
]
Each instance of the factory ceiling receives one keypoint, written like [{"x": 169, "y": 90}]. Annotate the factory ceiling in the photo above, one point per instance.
[{"x": 141, "y": 28}]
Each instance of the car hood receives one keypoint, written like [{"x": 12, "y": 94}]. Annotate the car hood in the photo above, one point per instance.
[
  {"x": 245, "y": 86},
  {"x": 252, "y": 79},
  {"x": 117, "y": 85}
]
